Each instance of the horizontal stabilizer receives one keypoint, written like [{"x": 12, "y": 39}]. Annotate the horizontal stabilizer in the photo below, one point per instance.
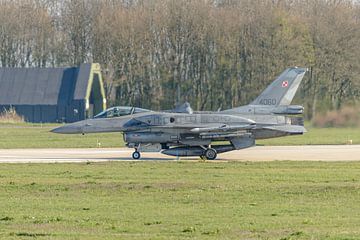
[{"x": 291, "y": 129}]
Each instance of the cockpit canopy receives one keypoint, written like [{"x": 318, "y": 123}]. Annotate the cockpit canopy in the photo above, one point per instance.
[{"x": 120, "y": 111}]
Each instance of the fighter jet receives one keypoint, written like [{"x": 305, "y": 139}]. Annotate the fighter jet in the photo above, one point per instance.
[{"x": 204, "y": 134}]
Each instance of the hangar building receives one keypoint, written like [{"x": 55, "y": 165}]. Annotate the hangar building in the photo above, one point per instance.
[{"x": 53, "y": 94}]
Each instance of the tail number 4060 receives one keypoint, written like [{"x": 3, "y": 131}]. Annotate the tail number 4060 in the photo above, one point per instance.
[{"x": 271, "y": 101}]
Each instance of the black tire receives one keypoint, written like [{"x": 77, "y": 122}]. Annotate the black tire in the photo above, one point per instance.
[
  {"x": 136, "y": 155},
  {"x": 210, "y": 154}
]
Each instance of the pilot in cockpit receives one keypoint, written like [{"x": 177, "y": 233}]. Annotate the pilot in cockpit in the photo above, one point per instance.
[{"x": 120, "y": 111}]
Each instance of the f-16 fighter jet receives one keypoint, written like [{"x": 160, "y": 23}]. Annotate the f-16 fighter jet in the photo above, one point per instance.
[{"x": 204, "y": 134}]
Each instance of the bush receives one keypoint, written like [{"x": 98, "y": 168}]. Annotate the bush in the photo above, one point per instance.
[
  {"x": 348, "y": 116},
  {"x": 10, "y": 116}
]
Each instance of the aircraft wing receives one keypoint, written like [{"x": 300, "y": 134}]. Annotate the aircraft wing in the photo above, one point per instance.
[
  {"x": 183, "y": 126},
  {"x": 222, "y": 128},
  {"x": 202, "y": 128},
  {"x": 292, "y": 129}
]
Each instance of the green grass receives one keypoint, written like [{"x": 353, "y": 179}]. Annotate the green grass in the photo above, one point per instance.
[
  {"x": 180, "y": 200},
  {"x": 38, "y": 136},
  {"x": 318, "y": 136}
]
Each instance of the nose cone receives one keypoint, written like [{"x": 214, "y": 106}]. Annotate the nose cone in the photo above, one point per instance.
[
  {"x": 93, "y": 126},
  {"x": 68, "y": 129}
]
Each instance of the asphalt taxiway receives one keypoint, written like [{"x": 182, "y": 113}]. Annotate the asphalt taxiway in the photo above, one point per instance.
[{"x": 258, "y": 153}]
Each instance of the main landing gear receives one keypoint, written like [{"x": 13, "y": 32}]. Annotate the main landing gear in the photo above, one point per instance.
[{"x": 209, "y": 154}]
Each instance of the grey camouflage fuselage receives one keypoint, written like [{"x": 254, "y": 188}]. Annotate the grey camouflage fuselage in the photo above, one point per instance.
[{"x": 196, "y": 134}]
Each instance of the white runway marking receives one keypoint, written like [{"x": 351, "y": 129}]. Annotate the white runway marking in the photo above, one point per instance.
[{"x": 259, "y": 153}]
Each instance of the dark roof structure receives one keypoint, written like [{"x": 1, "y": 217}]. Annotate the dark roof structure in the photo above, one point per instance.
[{"x": 53, "y": 94}]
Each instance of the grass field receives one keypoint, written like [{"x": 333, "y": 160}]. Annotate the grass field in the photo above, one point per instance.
[
  {"x": 318, "y": 136},
  {"x": 180, "y": 200},
  {"x": 38, "y": 136}
]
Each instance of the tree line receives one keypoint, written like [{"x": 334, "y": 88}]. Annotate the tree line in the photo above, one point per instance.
[{"x": 211, "y": 53}]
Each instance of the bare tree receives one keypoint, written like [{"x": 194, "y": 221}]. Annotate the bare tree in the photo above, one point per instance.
[{"x": 217, "y": 53}]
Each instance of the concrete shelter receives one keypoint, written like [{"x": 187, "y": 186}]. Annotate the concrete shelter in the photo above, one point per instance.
[{"x": 66, "y": 94}]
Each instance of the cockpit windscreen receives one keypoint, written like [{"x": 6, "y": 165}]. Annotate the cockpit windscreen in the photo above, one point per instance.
[{"x": 120, "y": 111}]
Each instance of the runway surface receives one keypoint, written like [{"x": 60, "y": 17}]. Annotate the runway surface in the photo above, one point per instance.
[{"x": 258, "y": 153}]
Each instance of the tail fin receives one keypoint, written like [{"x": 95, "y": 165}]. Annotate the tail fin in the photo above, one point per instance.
[{"x": 283, "y": 89}]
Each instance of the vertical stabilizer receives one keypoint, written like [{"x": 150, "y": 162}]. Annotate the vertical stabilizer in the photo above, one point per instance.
[{"x": 283, "y": 89}]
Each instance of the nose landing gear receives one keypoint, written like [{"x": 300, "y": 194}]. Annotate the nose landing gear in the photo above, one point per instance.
[{"x": 136, "y": 154}]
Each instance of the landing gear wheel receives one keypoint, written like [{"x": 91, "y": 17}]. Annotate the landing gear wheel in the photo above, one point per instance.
[
  {"x": 210, "y": 154},
  {"x": 136, "y": 155}
]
